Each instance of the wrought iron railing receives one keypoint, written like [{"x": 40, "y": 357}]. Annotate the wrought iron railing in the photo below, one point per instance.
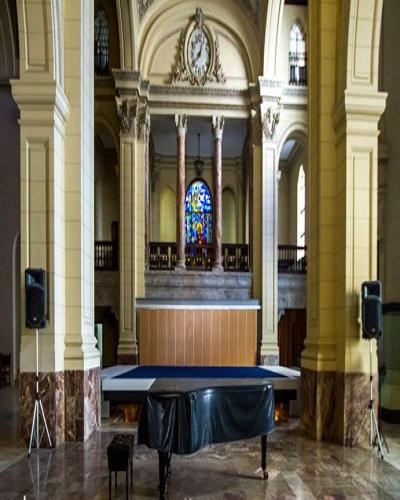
[
  {"x": 235, "y": 257},
  {"x": 297, "y": 68},
  {"x": 292, "y": 259},
  {"x": 106, "y": 256}
]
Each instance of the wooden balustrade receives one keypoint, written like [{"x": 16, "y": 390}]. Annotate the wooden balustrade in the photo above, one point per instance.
[
  {"x": 235, "y": 257},
  {"x": 292, "y": 259},
  {"x": 199, "y": 257},
  {"x": 106, "y": 256}
]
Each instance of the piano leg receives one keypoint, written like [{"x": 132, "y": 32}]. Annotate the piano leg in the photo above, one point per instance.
[
  {"x": 162, "y": 472},
  {"x": 264, "y": 456}
]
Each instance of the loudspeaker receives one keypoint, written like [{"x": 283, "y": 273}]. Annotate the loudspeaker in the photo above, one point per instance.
[
  {"x": 371, "y": 309},
  {"x": 35, "y": 298}
]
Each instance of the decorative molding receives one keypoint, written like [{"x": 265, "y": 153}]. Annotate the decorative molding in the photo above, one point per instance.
[
  {"x": 269, "y": 121},
  {"x": 143, "y": 6},
  {"x": 199, "y": 106},
  {"x": 253, "y": 10},
  {"x": 218, "y": 126},
  {"x": 181, "y": 124},
  {"x": 127, "y": 110},
  {"x": 198, "y": 91},
  {"x": 143, "y": 123},
  {"x": 183, "y": 71}
]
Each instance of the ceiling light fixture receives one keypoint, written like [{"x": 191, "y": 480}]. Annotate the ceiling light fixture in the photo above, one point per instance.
[{"x": 198, "y": 162}]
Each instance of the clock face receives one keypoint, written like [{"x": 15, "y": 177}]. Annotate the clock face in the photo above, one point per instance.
[{"x": 198, "y": 53}]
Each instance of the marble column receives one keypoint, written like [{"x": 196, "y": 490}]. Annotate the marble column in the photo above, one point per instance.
[
  {"x": 218, "y": 127},
  {"x": 181, "y": 127}
]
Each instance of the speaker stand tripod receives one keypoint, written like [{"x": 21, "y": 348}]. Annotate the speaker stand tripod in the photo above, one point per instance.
[
  {"x": 38, "y": 409},
  {"x": 371, "y": 411}
]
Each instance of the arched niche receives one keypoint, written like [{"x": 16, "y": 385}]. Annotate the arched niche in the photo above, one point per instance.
[
  {"x": 239, "y": 48},
  {"x": 229, "y": 216},
  {"x": 167, "y": 214}
]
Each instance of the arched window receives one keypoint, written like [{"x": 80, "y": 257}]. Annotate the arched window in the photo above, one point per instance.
[
  {"x": 297, "y": 56},
  {"x": 198, "y": 206},
  {"x": 301, "y": 210},
  {"x": 101, "y": 43}
]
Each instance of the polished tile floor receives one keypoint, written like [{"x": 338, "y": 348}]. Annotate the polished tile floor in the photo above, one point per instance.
[{"x": 298, "y": 468}]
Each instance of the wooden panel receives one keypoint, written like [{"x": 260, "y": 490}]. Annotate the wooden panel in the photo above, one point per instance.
[
  {"x": 251, "y": 338},
  {"x": 153, "y": 337},
  {"x": 207, "y": 338},
  {"x": 171, "y": 341},
  {"x": 233, "y": 334},
  {"x": 242, "y": 338},
  {"x": 198, "y": 345},
  {"x": 180, "y": 337},
  {"x": 216, "y": 337},
  {"x": 189, "y": 341},
  {"x": 225, "y": 339},
  {"x": 197, "y": 337},
  {"x": 162, "y": 337}
]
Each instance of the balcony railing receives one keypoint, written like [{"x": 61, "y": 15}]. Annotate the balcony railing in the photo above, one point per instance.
[
  {"x": 106, "y": 256},
  {"x": 292, "y": 259},
  {"x": 235, "y": 257}
]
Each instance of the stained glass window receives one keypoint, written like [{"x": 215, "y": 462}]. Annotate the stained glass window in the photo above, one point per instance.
[
  {"x": 101, "y": 43},
  {"x": 198, "y": 220}
]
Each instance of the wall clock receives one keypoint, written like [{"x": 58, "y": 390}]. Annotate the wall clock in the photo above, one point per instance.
[{"x": 199, "y": 54}]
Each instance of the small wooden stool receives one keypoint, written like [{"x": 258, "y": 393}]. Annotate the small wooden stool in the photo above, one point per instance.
[{"x": 120, "y": 458}]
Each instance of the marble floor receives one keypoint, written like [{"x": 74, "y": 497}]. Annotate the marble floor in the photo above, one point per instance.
[{"x": 298, "y": 468}]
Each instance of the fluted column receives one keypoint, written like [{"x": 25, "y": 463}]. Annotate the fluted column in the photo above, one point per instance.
[
  {"x": 218, "y": 127},
  {"x": 181, "y": 127}
]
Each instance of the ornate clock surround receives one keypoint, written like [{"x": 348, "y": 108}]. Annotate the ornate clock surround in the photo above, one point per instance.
[{"x": 184, "y": 71}]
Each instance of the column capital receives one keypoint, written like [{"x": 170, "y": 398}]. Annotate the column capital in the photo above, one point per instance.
[
  {"x": 143, "y": 123},
  {"x": 181, "y": 125},
  {"x": 218, "y": 122},
  {"x": 127, "y": 108},
  {"x": 270, "y": 115}
]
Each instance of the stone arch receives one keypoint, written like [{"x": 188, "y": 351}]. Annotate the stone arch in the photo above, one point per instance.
[
  {"x": 295, "y": 130},
  {"x": 272, "y": 34},
  {"x": 41, "y": 41},
  {"x": 358, "y": 45},
  {"x": 128, "y": 24},
  {"x": 9, "y": 55},
  {"x": 103, "y": 123},
  {"x": 164, "y": 21}
]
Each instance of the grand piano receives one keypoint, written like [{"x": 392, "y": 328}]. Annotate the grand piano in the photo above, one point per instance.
[{"x": 181, "y": 415}]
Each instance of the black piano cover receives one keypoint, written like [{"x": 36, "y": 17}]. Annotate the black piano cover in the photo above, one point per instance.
[{"x": 183, "y": 422}]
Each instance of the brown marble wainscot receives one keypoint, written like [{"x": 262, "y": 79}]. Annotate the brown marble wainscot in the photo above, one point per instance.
[
  {"x": 333, "y": 405},
  {"x": 51, "y": 388},
  {"x": 82, "y": 403},
  {"x": 127, "y": 359}
]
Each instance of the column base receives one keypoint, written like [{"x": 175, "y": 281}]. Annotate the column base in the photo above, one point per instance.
[
  {"x": 334, "y": 405},
  {"x": 180, "y": 267},
  {"x": 51, "y": 388},
  {"x": 217, "y": 268},
  {"x": 269, "y": 359},
  {"x": 127, "y": 359},
  {"x": 82, "y": 403}
]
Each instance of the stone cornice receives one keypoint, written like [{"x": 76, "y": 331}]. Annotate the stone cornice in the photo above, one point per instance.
[
  {"x": 358, "y": 113},
  {"x": 186, "y": 90},
  {"x": 44, "y": 96}
]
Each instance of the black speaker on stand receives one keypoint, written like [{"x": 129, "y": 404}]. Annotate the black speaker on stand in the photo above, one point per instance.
[
  {"x": 371, "y": 314},
  {"x": 35, "y": 318}
]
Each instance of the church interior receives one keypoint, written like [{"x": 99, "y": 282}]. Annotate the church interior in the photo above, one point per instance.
[{"x": 199, "y": 241}]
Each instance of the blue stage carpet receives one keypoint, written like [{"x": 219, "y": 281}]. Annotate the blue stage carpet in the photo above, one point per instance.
[{"x": 198, "y": 372}]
